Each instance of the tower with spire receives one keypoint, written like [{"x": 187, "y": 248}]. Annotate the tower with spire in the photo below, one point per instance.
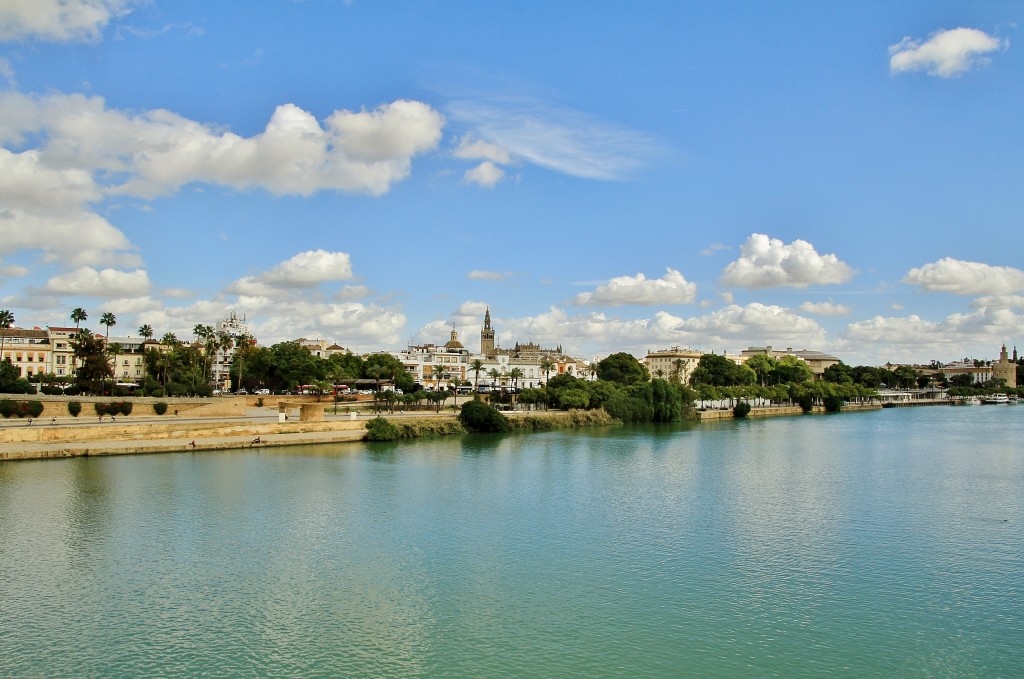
[{"x": 487, "y": 335}]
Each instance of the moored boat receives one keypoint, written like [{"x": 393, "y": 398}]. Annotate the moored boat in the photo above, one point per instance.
[{"x": 995, "y": 399}]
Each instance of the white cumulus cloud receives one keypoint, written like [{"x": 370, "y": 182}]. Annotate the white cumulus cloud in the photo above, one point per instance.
[
  {"x": 966, "y": 278},
  {"x": 769, "y": 263},
  {"x": 827, "y": 308},
  {"x": 304, "y": 270},
  {"x": 486, "y": 174},
  {"x": 672, "y": 288},
  {"x": 99, "y": 283},
  {"x": 59, "y": 20},
  {"x": 946, "y": 54}
]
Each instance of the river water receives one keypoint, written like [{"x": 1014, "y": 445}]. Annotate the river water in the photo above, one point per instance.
[{"x": 871, "y": 544}]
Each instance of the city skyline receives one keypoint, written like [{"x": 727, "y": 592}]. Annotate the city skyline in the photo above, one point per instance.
[{"x": 610, "y": 178}]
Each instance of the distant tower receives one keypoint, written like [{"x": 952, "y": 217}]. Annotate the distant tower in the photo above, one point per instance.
[
  {"x": 1015, "y": 354},
  {"x": 487, "y": 335}
]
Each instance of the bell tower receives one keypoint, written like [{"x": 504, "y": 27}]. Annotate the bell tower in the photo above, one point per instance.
[{"x": 487, "y": 335}]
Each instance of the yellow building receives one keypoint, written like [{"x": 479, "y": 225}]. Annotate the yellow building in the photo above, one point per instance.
[
  {"x": 27, "y": 349},
  {"x": 673, "y": 363}
]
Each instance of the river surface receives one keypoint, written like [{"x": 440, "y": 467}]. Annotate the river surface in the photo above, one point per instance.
[{"x": 881, "y": 544}]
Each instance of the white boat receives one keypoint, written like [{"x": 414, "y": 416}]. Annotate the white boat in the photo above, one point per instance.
[{"x": 1002, "y": 399}]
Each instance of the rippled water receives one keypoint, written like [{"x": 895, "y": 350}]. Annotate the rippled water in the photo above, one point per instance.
[{"x": 874, "y": 544}]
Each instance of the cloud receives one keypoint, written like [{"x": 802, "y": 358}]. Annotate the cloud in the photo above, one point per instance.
[
  {"x": 559, "y": 139},
  {"x": 672, "y": 288},
  {"x": 477, "y": 275},
  {"x": 910, "y": 337},
  {"x": 1000, "y": 302},
  {"x": 310, "y": 268},
  {"x": 946, "y": 54},
  {"x": 347, "y": 293},
  {"x": 303, "y": 271},
  {"x": 471, "y": 149},
  {"x": 828, "y": 308},
  {"x": 713, "y": 248},
  {"x": 597, "y": 333},
  {"x": 14, "y": 271},
  {"x": 59, "y": 20},
  {"x": 99, "y": 283},
  {"x": 156, "y": 152},
  {"x": 769, "y": 263},
  {"x": 486, "y": 174},
  {"x": 81, "y": 153},
  {"x": 966, "y": 278}
]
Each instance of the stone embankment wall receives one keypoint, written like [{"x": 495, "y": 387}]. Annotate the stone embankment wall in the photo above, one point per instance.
[{"x": 726, "y": 414}]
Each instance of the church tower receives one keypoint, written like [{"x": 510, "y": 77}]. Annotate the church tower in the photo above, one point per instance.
[{"x": 487, "y": 335}]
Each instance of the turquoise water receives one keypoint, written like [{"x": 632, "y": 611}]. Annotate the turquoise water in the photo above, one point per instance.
[{"x": 855, "y": 545}]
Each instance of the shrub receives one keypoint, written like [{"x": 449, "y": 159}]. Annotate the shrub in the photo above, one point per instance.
[
  {"x": 477, "y": 416},
  {"x": 32, "y": 408},
  {"x": 50, "y": 390},
  {"x": 6, "y": 407},
  {"x": 159, "y": 407},
  {"x": 806, "y": 402},
  {"x": 741, "y": 409},
  {"x": 101, "y": 408},
  {"x": 120, "y": 391},
  {"x": 125, "y": 407},
  {"x": 381, "y": 429},
  {"x": 833, "y": 404},
  {"x": 73, "y": 390},
  {"x": 74, "y": 407}
]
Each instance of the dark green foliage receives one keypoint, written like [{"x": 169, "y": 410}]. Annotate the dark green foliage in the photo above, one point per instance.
[
  {"x": 113, "y": 408},
  {"x": 666, "y": 400},
  {"x": 11, "y": 381},
  {"x": 622, "y": 368},
  {"x": 833, "y": 404},
  {"x": 74, "y": 407},
  {"x": 477, "y": 416},
  {"x": 50, "y": 390},
  {"x": 381, "y": 429},
  {"x": 719, "y": 371},
  {"x": 741, "y": 409},
  {"x": 20, "y": 408},
  {"x": 805, "y": 401},
  {"x": 93, "y": 366},
  {"x": 160, "y": 407},
  {"x": 570, "y": 399}
]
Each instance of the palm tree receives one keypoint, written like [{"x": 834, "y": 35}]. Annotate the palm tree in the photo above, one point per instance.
[
  {"x": 547, "y": 365},
  {"x": 454, "y": 386},
  {"x": 495, "y": 376},
  {"x": 438, "y": 374},
  {"x": 515, "y": 374},
  {"x": 6, "y": 321},
  {"x": 108, "y": 319},
  {"x": 146, "y": 331},
  {"x": 169, "y": 339},
  {"x": 78, "y": 315},
  {"x": 477, "y": 367}
]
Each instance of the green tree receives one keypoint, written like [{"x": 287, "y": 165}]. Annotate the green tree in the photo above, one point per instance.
[
  {"x": 477, "y": 416},
  {"x": 719, "y": 371},
  {"x": 108, "y": 319},
  {"x": 838, "y": 373},
  {"x": 91, "y": 356},
  {"x": 792, "y": 369},
  {"x": 78, "y": 315},
  {"x": 764, "y": 367},
  {"x": 546, "y": 366},
  {"x": 906, "y": 377},
  {"x": 622, "y": 368},
  {"x": 476, "y": 367}
]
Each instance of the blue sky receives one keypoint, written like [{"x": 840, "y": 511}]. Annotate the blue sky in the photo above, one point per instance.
[{"x": 843, "y": 177}]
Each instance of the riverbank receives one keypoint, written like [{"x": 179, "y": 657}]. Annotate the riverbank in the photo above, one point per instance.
[
  {"x": 261, "y": 428},
  {"x": 41, "y": 440}
]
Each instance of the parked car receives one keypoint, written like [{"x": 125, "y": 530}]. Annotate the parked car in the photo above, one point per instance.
[{"x": 262, "y": 392}]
